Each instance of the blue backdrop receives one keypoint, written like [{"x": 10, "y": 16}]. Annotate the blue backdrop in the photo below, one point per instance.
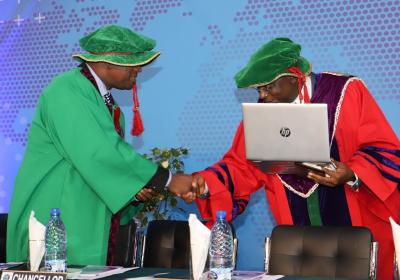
[{"x": 188, "y": 96}]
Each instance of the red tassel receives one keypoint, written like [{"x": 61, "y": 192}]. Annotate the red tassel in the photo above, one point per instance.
[
  {"x": 137, "y": 125},
  {"x": 301, "y": 79}
]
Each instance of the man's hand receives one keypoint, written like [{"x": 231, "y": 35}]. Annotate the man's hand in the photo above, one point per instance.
[
  {"x": 198, "y": 184},
  {"x": 198, "y": 188},
  {"x": 180, "y": 184},
  {"x": 145, "y": 194},
  {"x": 333, "y": 178}
]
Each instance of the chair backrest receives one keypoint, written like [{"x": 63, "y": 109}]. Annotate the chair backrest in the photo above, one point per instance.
[
  {"x": 327, "y": 251},
  {"x": 167, "y": 244},
  {"x": 125, "y": 247},
  {"x": 3, "y": 236}
]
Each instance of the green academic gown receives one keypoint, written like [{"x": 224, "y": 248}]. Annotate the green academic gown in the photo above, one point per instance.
[{"x": 77, "y": 162}]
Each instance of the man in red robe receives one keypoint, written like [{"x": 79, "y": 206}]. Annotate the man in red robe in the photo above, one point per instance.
[{"x": 364, "y": 188}]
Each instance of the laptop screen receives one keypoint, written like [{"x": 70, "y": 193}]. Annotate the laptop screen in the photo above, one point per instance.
[{"x": 286, "y": 132}]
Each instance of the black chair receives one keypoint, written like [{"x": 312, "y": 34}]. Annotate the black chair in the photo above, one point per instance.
[
  {"x": 327, "y": 251},
  {"x": 126, "y": 245},
  {"x": 167, "y": 245},
  {"x": 3, "y": 236}
]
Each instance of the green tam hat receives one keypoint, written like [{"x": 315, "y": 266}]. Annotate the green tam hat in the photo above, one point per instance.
[
  {"x": 117, "y": 45},
  {"x": 271, "y": 62}
]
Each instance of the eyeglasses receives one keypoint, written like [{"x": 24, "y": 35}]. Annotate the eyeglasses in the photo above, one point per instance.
[{"x": 268, "y": 87}]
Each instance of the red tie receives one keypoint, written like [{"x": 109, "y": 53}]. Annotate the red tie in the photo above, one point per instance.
[{"x": 115, "y": 111}]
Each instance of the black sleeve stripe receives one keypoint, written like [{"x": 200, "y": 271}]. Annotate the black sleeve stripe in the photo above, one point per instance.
[
  {"x": 228, "y": 174},
  {"x": 159, "y": 181},
  {"x": 219, "y": 175}
]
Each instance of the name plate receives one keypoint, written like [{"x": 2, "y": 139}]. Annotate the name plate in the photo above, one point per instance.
[{"x": 29, "y": 275}]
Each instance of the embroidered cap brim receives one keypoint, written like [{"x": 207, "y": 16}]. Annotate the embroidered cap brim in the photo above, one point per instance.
[{"x": 121, "y": 60}]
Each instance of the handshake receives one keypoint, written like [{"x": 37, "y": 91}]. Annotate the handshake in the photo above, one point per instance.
[{"x": 185, "y": 186}]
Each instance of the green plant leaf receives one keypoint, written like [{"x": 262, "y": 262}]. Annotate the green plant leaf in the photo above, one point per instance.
[
  {"x": 157, "y": 207},
  {"x": 156, "y": 151}
]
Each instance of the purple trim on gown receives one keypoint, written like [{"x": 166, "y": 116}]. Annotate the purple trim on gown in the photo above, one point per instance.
[
  {"x": 332, "y": 201},
  {"x": 327, "y": 89},
  {"x": 378, "y": 154},
  {"x": 373, "y": 152}
]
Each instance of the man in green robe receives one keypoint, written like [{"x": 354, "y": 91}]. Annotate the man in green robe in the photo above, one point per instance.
[{"x": 77, "y": 159}]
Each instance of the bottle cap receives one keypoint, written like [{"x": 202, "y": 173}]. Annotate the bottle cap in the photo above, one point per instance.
[
  {"x": 55, "y": 212},
  {"x": 221, "y": 214}
]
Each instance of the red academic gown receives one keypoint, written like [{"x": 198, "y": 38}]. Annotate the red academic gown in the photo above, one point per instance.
[{"x": 360, "y": 124}]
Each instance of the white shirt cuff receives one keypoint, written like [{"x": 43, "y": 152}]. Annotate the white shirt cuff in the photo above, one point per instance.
[
  {"x": 205, "y": 194},
  {"x": 169, "y": 179},
  {"x": 205, "y": 188}
]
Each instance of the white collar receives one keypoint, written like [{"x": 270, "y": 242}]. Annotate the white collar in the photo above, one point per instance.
[
  {"x": 102, "y": 87},
  {"x": 309, "y": 89}
]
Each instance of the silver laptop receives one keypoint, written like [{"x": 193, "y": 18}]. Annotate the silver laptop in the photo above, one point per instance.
[{"x": 281, "y": 137}]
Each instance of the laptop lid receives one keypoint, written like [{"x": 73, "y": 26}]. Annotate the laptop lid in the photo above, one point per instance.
[{"x": 279, "y": 132}]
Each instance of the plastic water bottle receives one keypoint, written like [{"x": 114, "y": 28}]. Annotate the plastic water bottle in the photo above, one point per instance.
[
  {"x": 56, "y": 243},
  {"x": 221, "y": 249}
]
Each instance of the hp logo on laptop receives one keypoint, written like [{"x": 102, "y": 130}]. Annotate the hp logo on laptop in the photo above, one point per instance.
[{"x": 285, "y": 132}]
